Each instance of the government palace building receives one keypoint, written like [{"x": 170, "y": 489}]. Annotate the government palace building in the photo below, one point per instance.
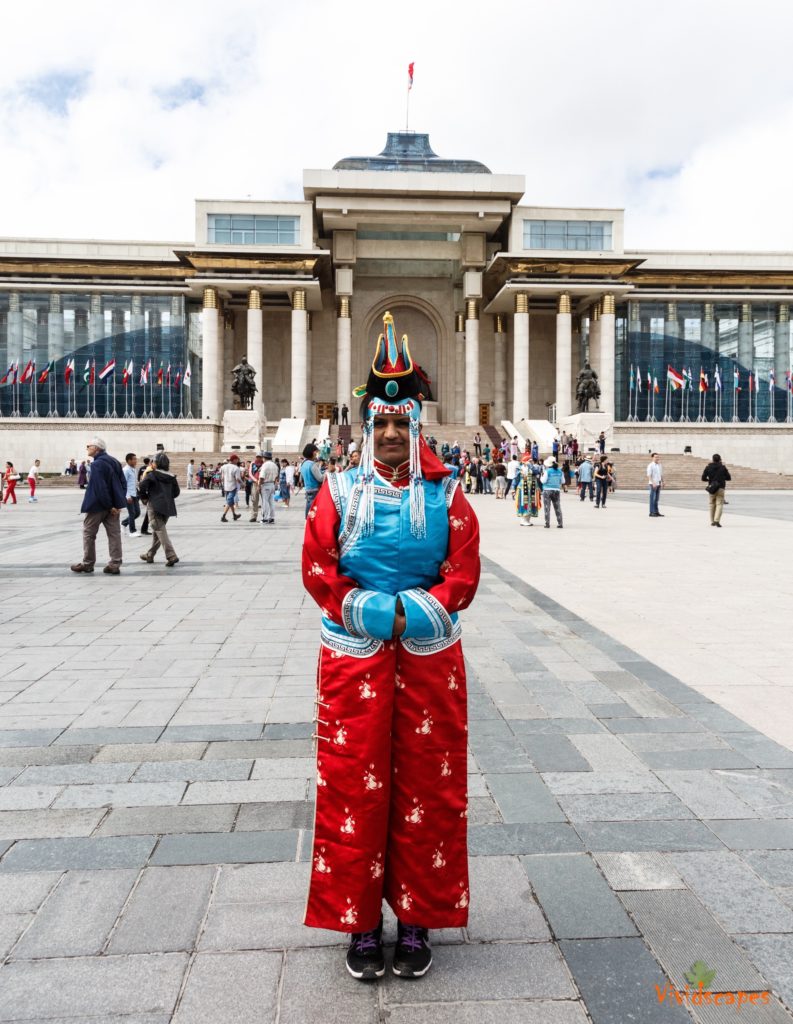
[{"x": 503, "y": 304}]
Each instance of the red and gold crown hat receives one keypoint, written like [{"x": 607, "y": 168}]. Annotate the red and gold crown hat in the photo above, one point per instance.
[{"x": 393, "y": 377}]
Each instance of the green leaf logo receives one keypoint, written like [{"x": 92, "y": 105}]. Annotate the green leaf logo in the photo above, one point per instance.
[{"x": 700, "y": 975}]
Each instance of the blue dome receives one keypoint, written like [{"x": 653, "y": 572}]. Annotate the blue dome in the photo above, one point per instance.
[{"x": 409, "y": 151}]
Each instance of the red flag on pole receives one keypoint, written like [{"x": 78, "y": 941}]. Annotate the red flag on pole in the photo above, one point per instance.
[{"x": 410, "y": 74}]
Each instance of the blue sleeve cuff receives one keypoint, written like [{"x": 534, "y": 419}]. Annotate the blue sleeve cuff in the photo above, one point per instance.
[
  {"x": 425, "y": 617},
  {"x": 369, "y": 613}
]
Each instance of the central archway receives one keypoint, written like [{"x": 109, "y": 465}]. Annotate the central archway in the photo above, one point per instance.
[{"x": 424, "y": 328}]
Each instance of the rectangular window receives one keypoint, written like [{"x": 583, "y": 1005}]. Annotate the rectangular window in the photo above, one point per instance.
[
  {"x": 245, "y": 229},
  {"x": 583, "y": 235}
]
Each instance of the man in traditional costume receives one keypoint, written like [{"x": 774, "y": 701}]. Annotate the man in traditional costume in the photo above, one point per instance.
[{"x": 391, "y": 554}]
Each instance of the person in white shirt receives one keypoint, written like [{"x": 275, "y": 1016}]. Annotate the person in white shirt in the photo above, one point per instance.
[
  {"x": 231, "y": 478},
  {"x": 512, "y": 471},
  {"x": 352, "y": 447},
  {"x": 655, "y": 481},
  {"x": 131, "y": 481},
  {"x": 268, "y": 479},
  {"x": 33, "y": 479},
  {"x": 190, "y": 474}
]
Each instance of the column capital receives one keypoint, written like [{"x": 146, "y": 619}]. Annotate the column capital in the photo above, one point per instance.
[
  {"x": 14, "y": 302},
  {"x": 708, "y": 311},
  {"x": 499, "y": 319},
  {"x": 344, "y": 307},
  {"x": 459, "y": 323},
  {"x": 671, "y": 311},
  {"x": 471, "y": 309},
  {"x": 608, "y": 304},
  {"x": 210, "y": 298},
  {"x": 521, "y": 302},
  {"x": 299, "y": 299},
  {"x": 55, "y": 302},
  {"x": 254, "y": 299},
  {"x": 783, "y": 313},
  {"x": 564, "y": 303},
  {"x": 633, "y": 309},
  {"x": 746, "y": 312},
  {"x": 594, "y": 313}
]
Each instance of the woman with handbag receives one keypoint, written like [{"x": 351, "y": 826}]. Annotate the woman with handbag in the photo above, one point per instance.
[{"x": 716, "y": 475}]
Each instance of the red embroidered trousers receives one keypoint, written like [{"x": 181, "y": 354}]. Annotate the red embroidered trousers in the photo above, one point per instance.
[{"x": 391, "y": 815}]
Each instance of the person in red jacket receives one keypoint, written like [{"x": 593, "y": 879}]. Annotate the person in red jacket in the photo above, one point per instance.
[
  {"x": 391, "y": 555},
  {"x": 10, "y": 477}
]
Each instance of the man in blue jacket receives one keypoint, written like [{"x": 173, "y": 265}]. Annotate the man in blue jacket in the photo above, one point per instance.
[{"x": 104, "y": 498}]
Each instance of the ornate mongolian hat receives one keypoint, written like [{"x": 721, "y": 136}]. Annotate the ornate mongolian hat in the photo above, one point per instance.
[{"x": 393, "y": 377}]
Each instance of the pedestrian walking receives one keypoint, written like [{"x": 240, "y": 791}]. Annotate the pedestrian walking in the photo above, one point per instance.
[
  {"x": 477, "y": 443},
  {"x": 131, "y": 483},
  {"x": 655, "y": 481},
  {"x": 716, "y": 475},
  {"x": 527, "y": 494},
  {"x": 311, "y": 474},
  {"x": 231, "y": 479},
  {"x": 160, "y": 489},
  {"x": 552, "y": 480},
  {"x": 601, "y": 483},
  {"x": 585, "y": 479},
  {"x": 104, "y": 499},
  {"x": 335, "y": 415},
  {"x": 144, "y": 469},
  {"x": 268, "y": 480},
  {"x": 602, "y": 443},
  {"x": 10, "y": 477},
  {"x": 191, "y": 475},
  {"x": 256, "y": 493},
  {"x": 82, "y": 475},
  {"x": 285, "y": 480},
  {"x": 513, "y": 468},
  {"x": 33, "y": 479}
]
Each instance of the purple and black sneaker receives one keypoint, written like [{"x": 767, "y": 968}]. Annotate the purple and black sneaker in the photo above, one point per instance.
[
  {"x": 365, "y": 959},
  {"x": 412, "y": 954}
]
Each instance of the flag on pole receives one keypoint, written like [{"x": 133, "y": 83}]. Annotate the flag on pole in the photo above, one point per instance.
[
  {"x": 717, "y": 379},
  {"x": 87, "y": 372},
  {"x": 410, "y": 75},
  {"x": 656, "y": 389},
  {"x": 48, "y": 369},
  {"x": 789, "y": 380},
  {"x": 68, "y": 371},
  {"x": 736, "y": 380},
  {"x": 178, "y": 378},
  {"x": 126, "y": 374},
  {"x": 674, "y": 378},
  {"x": 633, "y": 382},
  {"x": 649, "y": 381},
  {"x": 27, "y": 373},
  {"x": 107, "y": 369},
  {"x": 752, "y": 382},
  {"x": 187, "y": 376},
  {"x": 771, "y": 380},
  {"x": 7, "y": 374},
  {"x": 168, "y": 376},
  {"x": 703, "y": 381},
  {"x": 144, "y": 373},
  {"x": 159, "y": 376},
  {"x": 638, "y": 380}
]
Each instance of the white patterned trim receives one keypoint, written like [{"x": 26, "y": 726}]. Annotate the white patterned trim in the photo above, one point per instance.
[
  {"x": 333, "y": 487},
  {"x": 354, "y": 647},
  {"x": 441, "y": 620},
  {"x": 423, "y": 648},
  {"x": 450, "y": 486},
  {"x": 348, "y": 612}
]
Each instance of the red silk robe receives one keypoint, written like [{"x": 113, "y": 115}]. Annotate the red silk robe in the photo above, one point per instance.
[{"x": 391, "y": 813}]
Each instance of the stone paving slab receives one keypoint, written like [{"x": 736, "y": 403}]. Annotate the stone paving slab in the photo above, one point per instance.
[{"x": 236, "y": 988}]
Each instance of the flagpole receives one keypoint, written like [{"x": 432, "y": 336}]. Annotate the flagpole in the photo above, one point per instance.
[
  {"x": 132, "y": 390},
  {"x": 107, "y": 397},
  {"x": 170, "y": 412}
]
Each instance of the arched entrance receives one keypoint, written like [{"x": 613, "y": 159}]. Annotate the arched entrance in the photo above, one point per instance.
[{"x": 421, "y": 323}]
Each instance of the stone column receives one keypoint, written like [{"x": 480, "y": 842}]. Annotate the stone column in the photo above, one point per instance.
[
  {"x": 709, "y": 331},
  {"x": 459, "y": 368},
  {"x": 137, "y": 319},
  {"x": 227, "y": 361},
  {"x": 564, "y": 368},
  {"x": 520, "y": 359},
  {"x": 471, "y": 362},
  {"x": 255, "y": 343},
  {"x": 746, "y": 339},
  {"x": 55, "y": 329},
  {"x": 15, "y": 338},
  {"x": 594, "y": 337},
  {"x": 299, "y": 343},
  {"x": 607, "y": 356},
  {"x": 96, "y": 320},
  {"x": 343, "y": 353},
  {"x": 309, "y": 364},
  {"x": 210, "y": 331},
  {"x": 500, "y": 374},
  {"x": 782, "y": 344}
]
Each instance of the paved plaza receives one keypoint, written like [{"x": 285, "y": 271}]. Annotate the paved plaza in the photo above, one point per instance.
[{"x": 156, "y": 777}]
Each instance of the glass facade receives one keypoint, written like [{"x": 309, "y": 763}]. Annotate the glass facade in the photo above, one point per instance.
[
  {"x": 49, "y": 329},
  {"x": 238, "y": 229},
  {"x": 738, "y": 338},
  {"x": 586, "y": 235}
]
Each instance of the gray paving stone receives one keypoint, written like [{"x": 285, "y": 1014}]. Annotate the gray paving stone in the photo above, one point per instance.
[
  {"x": 775, "y": 866},
  {"x": 268, "y": 925},
  {"x": 288, "y": 730},
  {"x": 754, "y": 835},
  {"x": 715, "y": 717},
  {"x": 679, "y": 931},
  {"x": 500, "y": 840},
  {"x": 236, "y": 988},
  {"x": 101, "y": 736},
  {"x": 731, "y": 890},
  {"x": 225, "y": 848},
  {"x": 20, "y": 894},
  {"x": 534, "y": 1011},
  {"x": 553, "y": 753},
  {"x": 695, "y": 759},
  {"x": 602, "y": 782},
  {"x": 606, "y": 753},
  {"x": 276, "y": 815},
  {"x": 8, "y": 774},
  {"x": 165, "y": 912},
  {"x": 502, "y": 905},
  {"x": 189, "y": 733},
  {"x": 45, "y": 755},
  {"x": 66, "y": 774},
  {"x": 193, "y": 771},
  {"x": 308, "y": 976},
  {"x": 766, "y": 796},
  {"x": 259, "y": 748},
  {"x": 617, "y": 978},
  {"x": 621, "y": 836},
  {"x": 557, "y": 726},
  {"x": 482, "y": 810},
  {"x": 156, "y": 752},
  {"x": 83, "y": 988},
  {"x": 11, "y": 927},
  {"x": 23, "y": 798},
  {"x": 28, "y": 737},
  {"x": 5, "y": 844},
  {"x": 78, "y": 854},
  {"x": 639, "y": 871},
  {"x": 284, "y": 768},
  {"x": 77, "y": 918},
  {"x": 641, "y": 742},
  {"x": 773, "y": 955},
  {"x": 261, "y": 791},
  {"x": 615, "y": 710},
  {"x": 706, "y": 794},
  {"x": 523, "y": 797},
  {"x": 575, "y": 898},
  {"x": 764, "y": 752},
  {"x": 123, "y": 794},
  {"x": 262, "y": 883},
  {"x": 623, "y": 807},
  {"x": 41, "y": 824},
  {"x": 485, "y": 972},
  {"x": 675, "y": 725},
  {"x": 135, "y": 821}
]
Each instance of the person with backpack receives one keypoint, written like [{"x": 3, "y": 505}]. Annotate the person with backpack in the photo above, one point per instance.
[
  {"x": 159, "y": 489},
  {"x": 716, "y": 475},
  {"x": 552, "y": 480}
]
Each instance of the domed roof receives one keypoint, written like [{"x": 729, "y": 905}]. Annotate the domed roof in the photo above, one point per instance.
[{"x": 409, "y": 151}]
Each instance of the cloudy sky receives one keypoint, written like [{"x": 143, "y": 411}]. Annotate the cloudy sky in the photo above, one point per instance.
[{"x": 114, "y": 117}]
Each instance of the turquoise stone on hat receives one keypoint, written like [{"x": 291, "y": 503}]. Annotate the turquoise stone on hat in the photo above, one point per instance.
[{"x": 391, "y": 388}]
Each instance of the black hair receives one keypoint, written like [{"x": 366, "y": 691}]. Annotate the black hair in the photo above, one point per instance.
[
  {"x": 128, "y": 456},
  {"x": 717, "y": 458}
]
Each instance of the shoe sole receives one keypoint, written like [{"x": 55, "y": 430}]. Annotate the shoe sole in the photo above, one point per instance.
[
  {"x": 368, "y": 974},
  {"x": 409, "y": 972}
]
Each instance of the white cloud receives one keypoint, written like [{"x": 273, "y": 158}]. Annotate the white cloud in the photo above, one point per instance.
[{"x": 679, "y": 111}]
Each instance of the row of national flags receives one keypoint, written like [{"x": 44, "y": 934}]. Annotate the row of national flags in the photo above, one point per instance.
[
  {"x": 168, "y": 377},
  {"x": 683, "y": 380}
]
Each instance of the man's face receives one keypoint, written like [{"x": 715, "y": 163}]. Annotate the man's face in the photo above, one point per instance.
[
  {"x": 392, "y": 439},
  {"x": 91, "y": 450},
  {"x": 656, "y": 458},
  {"x": 355, "y": 458},
  {"x": 132, "y": 461}
]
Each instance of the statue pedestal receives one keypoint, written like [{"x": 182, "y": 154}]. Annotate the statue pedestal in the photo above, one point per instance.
[
  {"x": 586, "y": 426},
  {"x": 243, "y": 430},
  {"x": 429, "y": 412}
]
